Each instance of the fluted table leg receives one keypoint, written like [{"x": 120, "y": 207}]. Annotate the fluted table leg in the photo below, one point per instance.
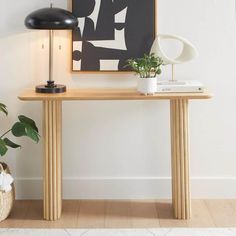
[
  {"x": 52, "y": 159},
  {"x": 180, "y": 159}
]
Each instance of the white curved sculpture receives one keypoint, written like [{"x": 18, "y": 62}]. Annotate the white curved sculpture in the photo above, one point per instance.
[{"x": 188, "y": 53}]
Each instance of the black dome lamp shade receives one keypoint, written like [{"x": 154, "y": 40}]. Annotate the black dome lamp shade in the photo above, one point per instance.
[{"x": 51, "y": 19}]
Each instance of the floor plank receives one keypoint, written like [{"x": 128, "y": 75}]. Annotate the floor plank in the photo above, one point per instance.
[
  {"x": 91, "y": 214},
  {"x": 69, "y": 218},
  {"x": 222, "y": 212},
  {"x": 233, "y": 203},
  {"x": 166, "y": 216},
  {"x": 201, "y": 216},
  {"x": 17, "y": 216},
  {"x": 118, "y": 214},
  {"x": 34, "y": 216},
  {"x": 122, "y": 214},
  {"x": 144, "y": 214}
]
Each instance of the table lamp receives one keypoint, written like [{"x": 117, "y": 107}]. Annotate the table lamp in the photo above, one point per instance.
[
  {"x": 51, "y": 19},
  {"x": 188, "y": 52}
]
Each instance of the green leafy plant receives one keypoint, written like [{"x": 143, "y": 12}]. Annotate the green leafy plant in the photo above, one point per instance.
[
  {"x": 23, "y": 127},
  {"x": 149, "y": 66}
]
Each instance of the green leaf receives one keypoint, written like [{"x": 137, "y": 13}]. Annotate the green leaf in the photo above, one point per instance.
[
  {"x": 159, "y": 71},
  {"x": 31, "y": 133},
  {"x": 3, "y": 108},
  {"x": 146, "y": 66},
  {"x": 9, "y": 143},
  {"x": 3, "y": 148},
  {"x": 28, "y": 121},
  {"x": 18, "y": 129}
]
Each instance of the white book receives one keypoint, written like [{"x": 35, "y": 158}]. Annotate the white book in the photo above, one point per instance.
[{"x": 180, "y": 87}]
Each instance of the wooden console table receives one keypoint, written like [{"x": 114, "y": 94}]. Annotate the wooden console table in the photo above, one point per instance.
[{"x": 52, "y": 132}]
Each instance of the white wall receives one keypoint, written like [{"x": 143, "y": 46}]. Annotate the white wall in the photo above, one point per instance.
[{"x": 120, "y": 149}]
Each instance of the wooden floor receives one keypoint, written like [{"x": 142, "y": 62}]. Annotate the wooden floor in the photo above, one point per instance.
[{"x": 123, "y": 214}]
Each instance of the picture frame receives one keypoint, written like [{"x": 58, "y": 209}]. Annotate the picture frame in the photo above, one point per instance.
[{"x": 102, "y": 45}]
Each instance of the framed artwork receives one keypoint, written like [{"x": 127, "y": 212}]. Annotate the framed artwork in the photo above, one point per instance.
[{"x": 110, "y": 32}]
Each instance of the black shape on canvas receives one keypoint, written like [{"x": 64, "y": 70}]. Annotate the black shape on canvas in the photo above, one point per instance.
[
  {"x": 77, "y": 55},
  {"x": 90, "y": 59},
  {"x": 105, "y": 23},
  {"x": 83, "y": 8}
]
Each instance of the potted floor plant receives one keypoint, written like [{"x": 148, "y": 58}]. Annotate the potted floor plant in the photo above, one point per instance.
[
  {"x": 23, "y": 127},
  {"x": 148, "y": 68}
]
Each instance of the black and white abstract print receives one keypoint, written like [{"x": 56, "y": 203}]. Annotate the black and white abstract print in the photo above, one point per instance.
[{"x": 110, "y": 32}]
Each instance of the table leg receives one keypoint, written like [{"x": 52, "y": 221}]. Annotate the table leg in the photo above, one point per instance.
[
  {"x": 180, "y": 159},
  {"x": 52, "y": 159}
]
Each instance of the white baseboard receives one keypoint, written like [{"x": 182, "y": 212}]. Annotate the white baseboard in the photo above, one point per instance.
[{"x": 128, "y": 188}]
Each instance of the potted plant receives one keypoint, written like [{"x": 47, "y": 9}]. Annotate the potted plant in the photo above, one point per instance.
[
  {"x": 23, "y": 127},
  {"x": 147, "y": 67}
]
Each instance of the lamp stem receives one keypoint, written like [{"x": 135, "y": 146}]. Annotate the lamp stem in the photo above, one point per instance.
[
  {"x": 51, "y": 56},
  {"x": 51, "y": 87}
]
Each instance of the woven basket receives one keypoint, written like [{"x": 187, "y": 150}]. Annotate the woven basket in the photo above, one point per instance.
[{"x": 6, "y": 199}]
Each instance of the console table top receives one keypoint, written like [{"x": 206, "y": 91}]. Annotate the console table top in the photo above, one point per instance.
[{"x": 108, "y": 94}]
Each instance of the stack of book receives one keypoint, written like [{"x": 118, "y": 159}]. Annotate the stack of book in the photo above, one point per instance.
[{"x": 180, "y": 87}]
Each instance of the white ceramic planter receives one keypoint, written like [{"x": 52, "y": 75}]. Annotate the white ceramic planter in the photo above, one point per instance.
[{"x": 147, "y": 86}]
